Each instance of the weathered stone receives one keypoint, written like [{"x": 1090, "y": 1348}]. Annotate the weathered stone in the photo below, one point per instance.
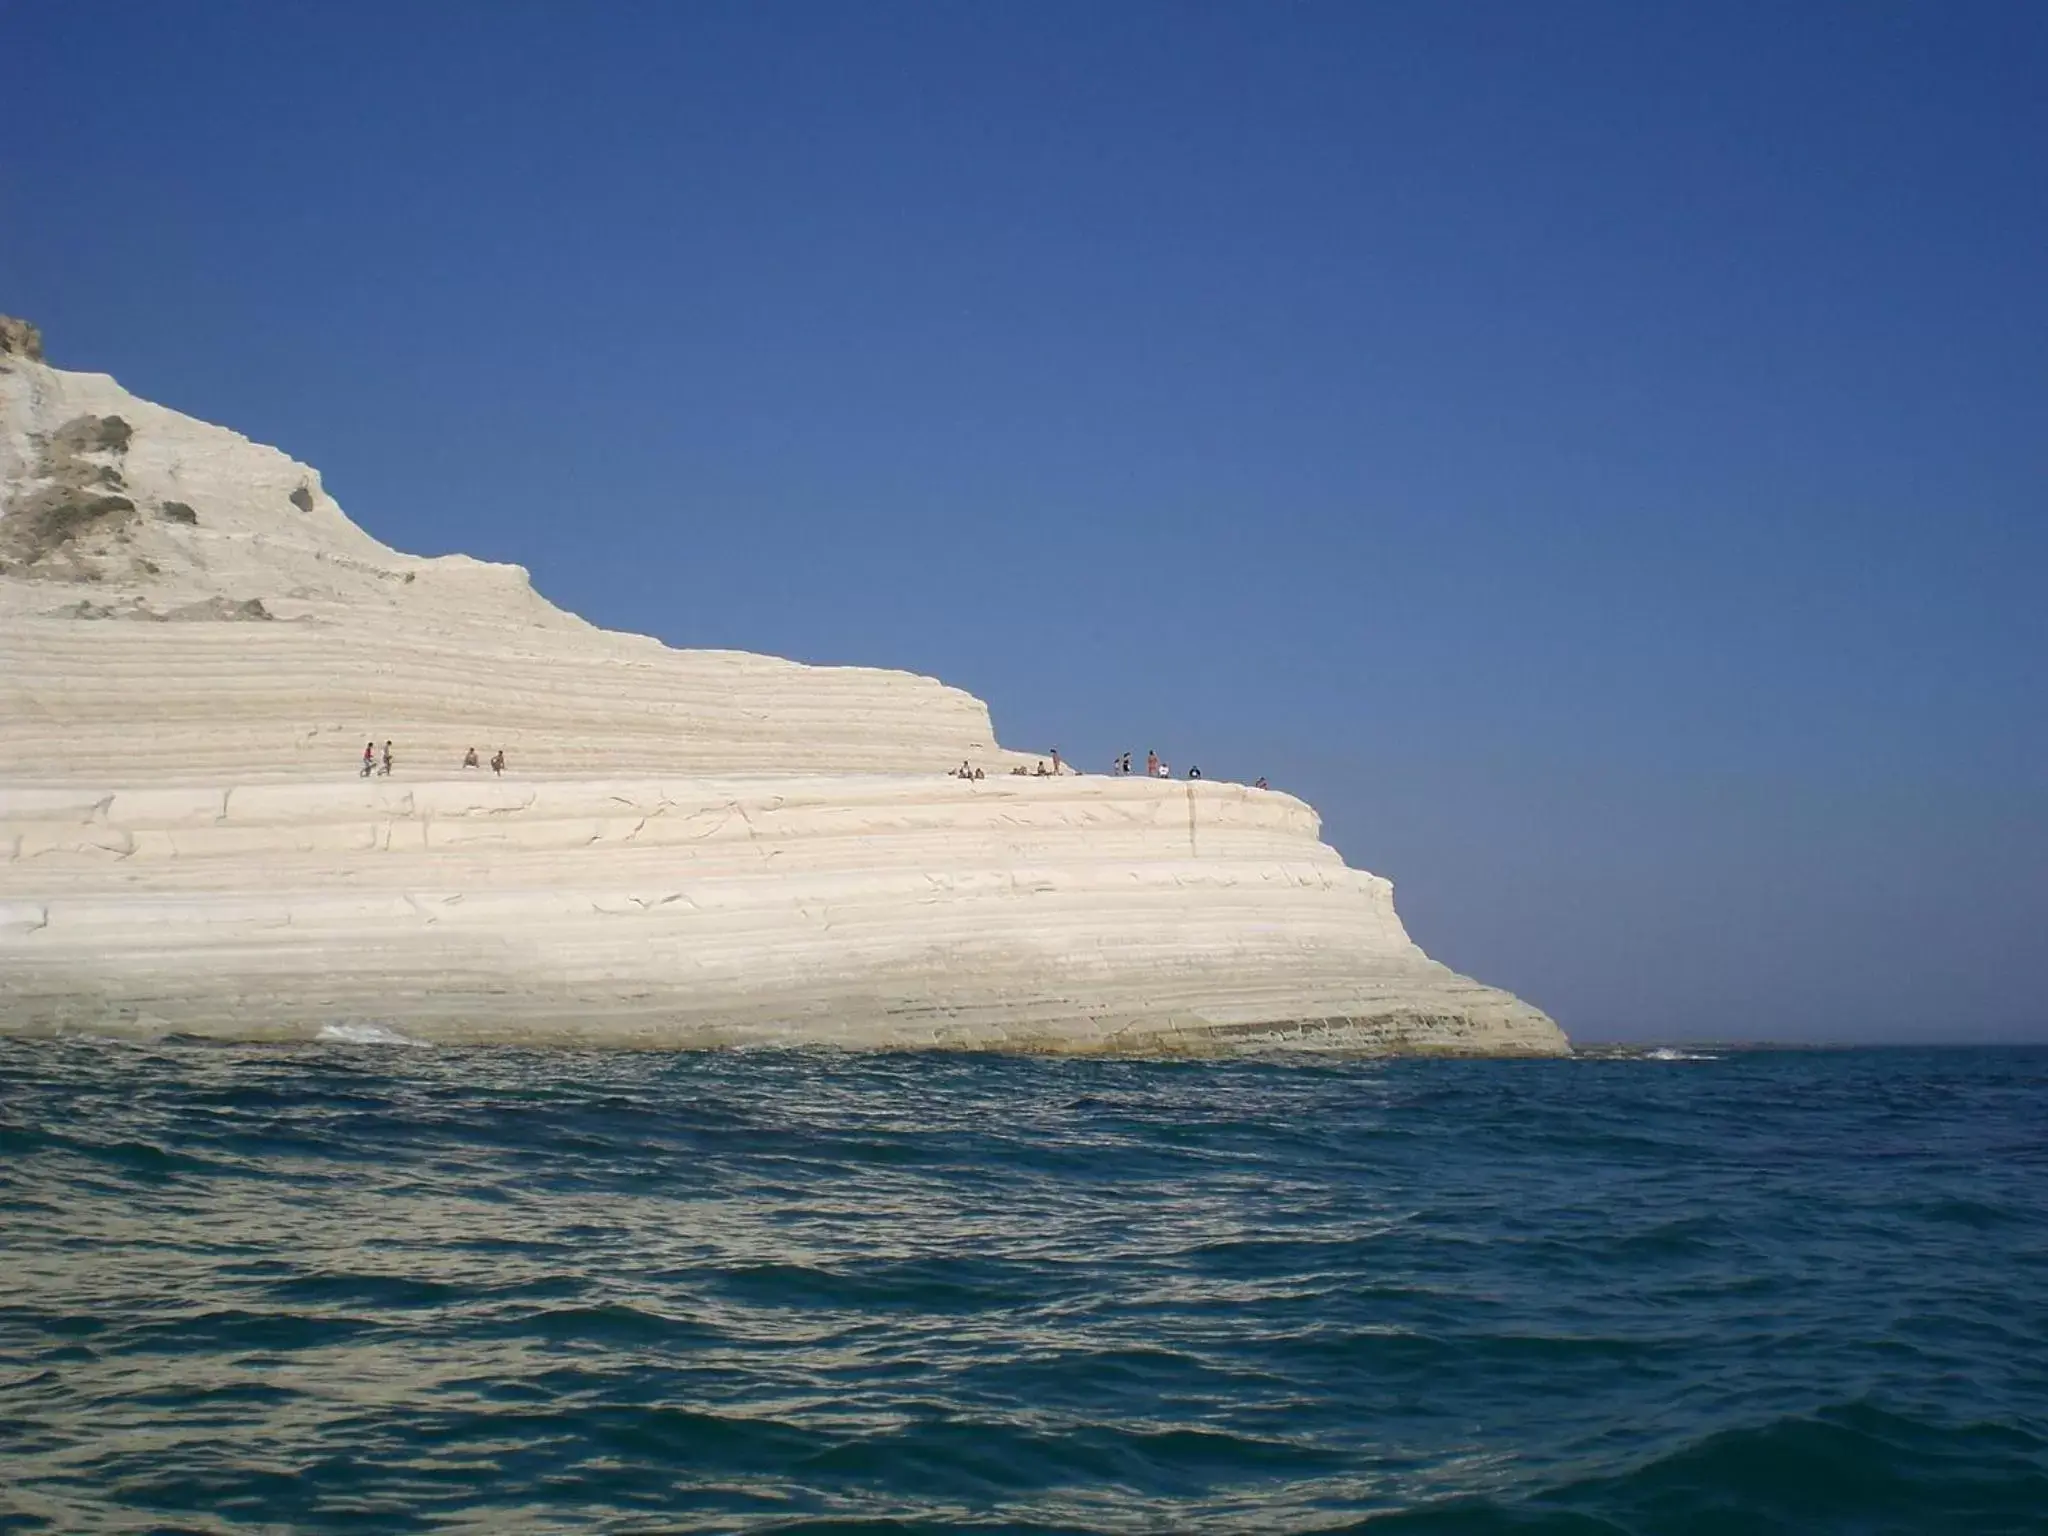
[
  {"x": 688, "y": 847},
  {"x": 20, "y": 339}
]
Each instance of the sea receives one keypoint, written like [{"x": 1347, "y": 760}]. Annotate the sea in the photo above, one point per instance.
[{"x": 367, "y": 1286}]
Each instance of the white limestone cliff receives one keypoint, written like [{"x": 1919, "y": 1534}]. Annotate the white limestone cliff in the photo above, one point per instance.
[{"x": 690, "y": 847}]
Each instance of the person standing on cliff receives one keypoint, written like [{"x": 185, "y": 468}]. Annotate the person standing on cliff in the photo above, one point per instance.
[
  {"x": 386, "y": 769},
  {"x": 1056, "y": 768},
  {"x": 1151, "y": 764},
  {"x": 369, "y": 757}
]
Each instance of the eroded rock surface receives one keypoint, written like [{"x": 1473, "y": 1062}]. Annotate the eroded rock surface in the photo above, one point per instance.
[
  {"x": 688, "y": 847},
  {"x": 20, "y": 339}
]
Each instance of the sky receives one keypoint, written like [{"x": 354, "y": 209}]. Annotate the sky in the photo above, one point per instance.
[{"x": 1596, "y": 453}]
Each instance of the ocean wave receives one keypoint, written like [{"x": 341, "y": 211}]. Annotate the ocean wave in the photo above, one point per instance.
[
  {"x": 254, "y": 1289},
  {"x": 1848, "y": 1467}
]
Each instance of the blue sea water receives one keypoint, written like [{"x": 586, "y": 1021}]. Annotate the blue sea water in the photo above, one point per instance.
[{"x": 380, "y": 1289}]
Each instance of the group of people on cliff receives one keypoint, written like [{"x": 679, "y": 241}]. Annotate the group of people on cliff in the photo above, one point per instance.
[
  {"x": 1156, "y": 768},
  {"x": 1120, "y": 766},
  {"x": 381, "y": 766}
]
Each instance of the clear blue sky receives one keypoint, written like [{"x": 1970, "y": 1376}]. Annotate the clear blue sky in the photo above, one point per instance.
[{"x": 1597, "y": 453}]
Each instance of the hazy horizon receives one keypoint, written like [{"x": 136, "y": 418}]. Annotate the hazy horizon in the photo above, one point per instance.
[{"x": 1595, "y": 456}]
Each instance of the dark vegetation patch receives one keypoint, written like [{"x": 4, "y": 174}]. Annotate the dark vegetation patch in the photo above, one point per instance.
[
  {"x": 178, "y": 512},
  {"x": 57, "y": 516},
  {"x": 52, "y": 530},
  {"x": 213, "y": 608},
  {"x": 222, "y": 608},
  {"x": 92, "y": 434}
]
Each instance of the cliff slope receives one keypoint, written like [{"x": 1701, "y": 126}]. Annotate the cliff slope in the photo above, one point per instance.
[{"x": 691, "y": 847}]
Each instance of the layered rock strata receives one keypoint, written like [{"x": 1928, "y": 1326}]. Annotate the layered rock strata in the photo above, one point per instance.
[{"x": 691, "y": 848}]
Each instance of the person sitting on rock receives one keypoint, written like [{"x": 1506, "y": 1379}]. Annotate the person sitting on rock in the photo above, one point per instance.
[
  {"x": 369, "y": 758},
  {"x": 1039, "y": 772},
  {"x": 498, "y": 761},
  {"x": 962, "y": 772},
  {"x": 1194, "y": 773},
  {"x": 1260, "y": 783},
  {"x": 469, "y": 758},
  {"x": 977, "y": 773},
  {"x": 385, "y": 771}
]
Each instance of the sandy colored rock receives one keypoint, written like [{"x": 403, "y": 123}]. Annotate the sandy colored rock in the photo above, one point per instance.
[
  {"x": 20, "y": 339},
  {"x": 689, "y": 847}
]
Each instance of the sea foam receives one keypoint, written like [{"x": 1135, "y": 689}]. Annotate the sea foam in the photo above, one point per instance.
[{"x": 363, "y": 1033}]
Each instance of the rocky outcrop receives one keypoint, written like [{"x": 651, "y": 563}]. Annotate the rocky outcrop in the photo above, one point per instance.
[
  {"x": 20, "y": 339},
  {"x": 71, "y": 522},
  {"x": 688, "y": 847}
]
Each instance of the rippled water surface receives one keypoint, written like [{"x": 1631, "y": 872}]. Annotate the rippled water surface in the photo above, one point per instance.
[{"x": 370, "y": 1288}]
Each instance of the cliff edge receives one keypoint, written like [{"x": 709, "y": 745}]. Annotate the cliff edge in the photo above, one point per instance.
[{"x": 689, "y": 848}]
